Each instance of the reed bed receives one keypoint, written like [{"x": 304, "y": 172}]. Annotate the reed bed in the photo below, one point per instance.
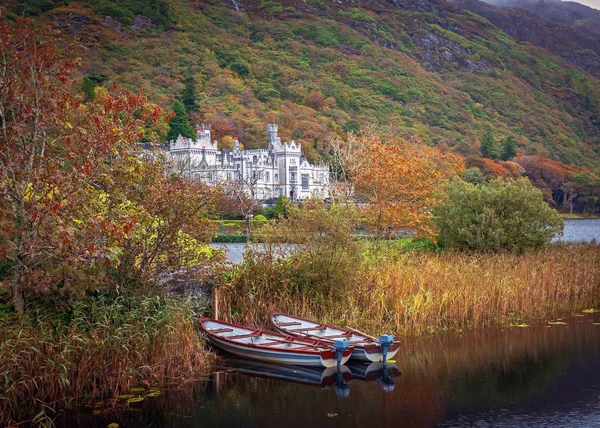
[
  {"x": 99, "y": 349},
  {"x": 418, "y": 293}
]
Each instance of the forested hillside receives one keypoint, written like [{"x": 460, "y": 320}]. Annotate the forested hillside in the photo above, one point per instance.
[{"x": 414, "y": 68}]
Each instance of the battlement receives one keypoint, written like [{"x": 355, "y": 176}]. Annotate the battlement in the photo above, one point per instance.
[{"x": 290, "y": 147}]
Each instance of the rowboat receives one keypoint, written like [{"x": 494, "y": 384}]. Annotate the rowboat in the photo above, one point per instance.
[
  {"x": 271, "y": 347},
  {"x": 366, "y": 348}
]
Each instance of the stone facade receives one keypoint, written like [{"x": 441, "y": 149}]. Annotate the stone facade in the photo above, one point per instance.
[{"x": 265, "y": 173}]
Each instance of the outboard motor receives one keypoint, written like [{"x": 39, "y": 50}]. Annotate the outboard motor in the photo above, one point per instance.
[
  {"x": 385, "y": 340},
  {"x": 340, "y": 345}
]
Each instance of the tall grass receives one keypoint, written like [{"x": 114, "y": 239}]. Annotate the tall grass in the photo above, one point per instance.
[
  {"x": 98, "y": 349},
  {"x": 416, "y": 293}
]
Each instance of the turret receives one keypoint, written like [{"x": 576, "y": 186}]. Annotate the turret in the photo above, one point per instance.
[
  {"x": 203, "y": 135},
  {"x": 272, "y": 134}
]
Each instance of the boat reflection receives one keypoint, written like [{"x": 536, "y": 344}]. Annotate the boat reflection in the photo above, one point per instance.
[
  {"x": 322, "y": 377},
  {"x": 376, "y": 372}
]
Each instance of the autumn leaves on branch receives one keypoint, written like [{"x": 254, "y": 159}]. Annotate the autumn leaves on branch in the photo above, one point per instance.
[{"x": 75, "y": 193}]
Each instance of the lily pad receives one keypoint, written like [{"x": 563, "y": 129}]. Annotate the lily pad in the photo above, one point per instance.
[
  {"x": 557, "y": 323},
  {"x": 135, "y": 399},
  {"x": 522, "y": 325},
  {"x": 113, "y": 425},
  {"x": 590, "y": 311},
  {"x": 126, "y": 396},
  {"x": 138, "y": 389}
]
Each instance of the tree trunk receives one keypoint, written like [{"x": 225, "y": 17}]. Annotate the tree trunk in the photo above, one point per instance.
[{"x": 18, "y": 298}]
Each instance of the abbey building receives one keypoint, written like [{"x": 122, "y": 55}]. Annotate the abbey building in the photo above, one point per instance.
[{"x": 264, "y": 173}]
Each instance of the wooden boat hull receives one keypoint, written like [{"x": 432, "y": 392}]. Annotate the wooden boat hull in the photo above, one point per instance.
[
  {"x": 366, "y": 348},
  {"x": 270, "y": 347}
]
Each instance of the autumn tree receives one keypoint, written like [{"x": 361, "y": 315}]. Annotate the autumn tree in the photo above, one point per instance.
[
  {"x": 398, "y": 182},
  {"x": 74, "y": 189}
]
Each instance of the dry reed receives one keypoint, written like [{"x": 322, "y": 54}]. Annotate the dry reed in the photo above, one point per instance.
[
  {"x": 419, "y": 293},
  {"x": 102, "y": 350}
]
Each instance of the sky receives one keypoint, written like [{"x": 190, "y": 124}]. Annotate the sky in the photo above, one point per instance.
[{"x": 591, "y": 3}]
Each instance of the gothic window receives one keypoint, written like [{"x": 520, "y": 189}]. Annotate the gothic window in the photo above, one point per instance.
[
  {"x": 305, "y": 181},
  {"x": 276, "y": 177},
  {"x": 293, "y": 177},
  {"x": 267, "y": 176}
]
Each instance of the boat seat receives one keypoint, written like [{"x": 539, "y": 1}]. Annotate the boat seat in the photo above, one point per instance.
[
  {"x": 287, "y": 323},
  {"x": 220, "y": 330},
  {"x": 276, "y": 342},
  {"x": 335, "y": 336},
  {"x": 243, "y": 336},
  {"x": 319, "y": 327}
]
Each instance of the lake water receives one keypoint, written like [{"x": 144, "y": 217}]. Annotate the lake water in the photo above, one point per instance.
[
  {"x": 575, "y": 231},
  {"x": 584, "y": 230},
  {"x": 543, "y": 375}
]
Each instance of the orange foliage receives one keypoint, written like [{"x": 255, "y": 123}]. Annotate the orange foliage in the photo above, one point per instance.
[{"x": 400, "y": 182}]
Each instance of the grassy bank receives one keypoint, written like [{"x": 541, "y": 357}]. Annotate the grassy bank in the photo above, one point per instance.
[
  {"x": 100, "y": 348},
  {"x": 418, "y": 293}
]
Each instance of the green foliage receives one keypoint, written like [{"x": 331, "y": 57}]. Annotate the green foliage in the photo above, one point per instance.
[
  {"x": 159, "y": 11},
  {"x": 318, "y": 256},
  {"x": 34, "y": 7},
  {"x": 501, "y": 215},
  {"x": 489, "y": 148},
  {"x": 179, "y": 124},
  {"x": 271, "y": 6},
  {"x": 189, "y": 97},
  {"x": 509, "y": 149},
  {"x": 351, "y": 126},
  {"x": 473, "y": 175},
  {"x": 89, "y": 84},
  {"x": 281, "y": 206}
]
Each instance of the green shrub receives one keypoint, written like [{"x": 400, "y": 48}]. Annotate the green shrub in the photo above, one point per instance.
[
  {"x": 230, "y": 239},
  {"x": 501, "y": 215}
]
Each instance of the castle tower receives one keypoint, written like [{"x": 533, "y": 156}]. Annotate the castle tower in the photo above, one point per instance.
[
  {"x": 203, "y": 135},
  {"x": 272, "y": 132}
]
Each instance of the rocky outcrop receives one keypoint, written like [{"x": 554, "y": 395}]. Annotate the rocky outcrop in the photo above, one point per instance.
[
  {"x": 577, "y": 47},
  {"x": 437, "y": 52},
  {"x": 141, "y": 22}
]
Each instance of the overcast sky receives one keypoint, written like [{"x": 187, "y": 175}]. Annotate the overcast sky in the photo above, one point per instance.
[{"x": 591, "y": 3}]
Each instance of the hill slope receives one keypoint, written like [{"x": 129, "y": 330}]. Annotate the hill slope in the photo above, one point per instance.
[{"x": 413, "y": 67}]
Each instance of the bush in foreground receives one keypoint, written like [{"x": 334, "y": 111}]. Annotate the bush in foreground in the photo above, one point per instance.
[
  {"x": 99, "y": 348},
  {"x": 501, "y": 215}
]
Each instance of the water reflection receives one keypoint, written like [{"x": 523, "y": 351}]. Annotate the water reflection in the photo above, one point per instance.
[{"x": 542, "y": 375}]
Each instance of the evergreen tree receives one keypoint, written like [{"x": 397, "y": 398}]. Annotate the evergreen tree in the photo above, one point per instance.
[
  {"x": 188, "y": 97},
  {"x": 488, "y": 146},
  {"x": 179, "y": 124},
  {"x": 509, "y": 149},
  {"x": 88, "y": 89}
]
